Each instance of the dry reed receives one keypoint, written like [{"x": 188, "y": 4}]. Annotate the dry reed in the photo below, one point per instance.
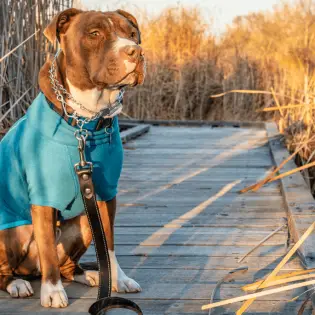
[{"x": 23, "y": 50}]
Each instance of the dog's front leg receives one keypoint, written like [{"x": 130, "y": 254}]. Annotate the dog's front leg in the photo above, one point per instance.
[
  {"x": 120, "y": 281},
  {"x": 44, "y": 223}
]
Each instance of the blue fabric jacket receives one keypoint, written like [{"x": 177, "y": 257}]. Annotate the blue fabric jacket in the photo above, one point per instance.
[{"x": 37, "y": 158}]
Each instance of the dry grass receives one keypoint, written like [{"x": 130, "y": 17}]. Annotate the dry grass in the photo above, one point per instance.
[
  {"x": 181, "y": 68},
  {"x": 274, "y": 52}
]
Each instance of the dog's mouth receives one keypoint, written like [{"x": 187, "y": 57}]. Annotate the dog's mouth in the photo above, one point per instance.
[
  {"x": 117, "y": 86},
  {"x": 112, "y": 87},
  {"x": 130, "y": 80}
]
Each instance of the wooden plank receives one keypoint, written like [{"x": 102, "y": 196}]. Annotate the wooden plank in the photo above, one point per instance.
[
  {"x": 237, "y": 203},
  {"x": 128, "y": 180},
  {"x": 211, "y": 173},
  {"x": 199, "y": 222},
  {"x": 294, "y": 189},
  {"x": 221, "y": 139},
  {"x": 176, "y": 144},
  {"x": 222, "y": 155},
  {"x": 165, "y": 169},
  {"x": 169, "y": 284},
  {"x": 234, "y": 200},
  {"x": 134, "y": 132},
  {"x": 228, "y": 134},
  {"x": 204, "y": 191},
  {"x": 198, "y": 123},
  {"x": 198, "y": 262},
  {"x": 248, "y": 232},
  {"x": 193, "y": 177},
  {"x": 217, "y": 207},
  {"x": 228, "y": 213},
  {"x": 197, "y": 196},
  {"x": 249, "y": 199},
  {"x": 297, "y": 196},
  {"x": 155, "y": 307},
  {"x": 207, "y": 141},
  {"x": 156, "y": 139},
  {"x": 202, "y": 140},
  {"x": 188, "y": 147},
  {"x": 237, "y": 206},
  {"x": 207, "y": 138},
  {"x": 218, "y": 162},
  {"x": 263, "y": 150},
  {"x": 127, "y": 186},
  {"x": 182, "y": 250},
  {"x": 208, "y": 217},
  {"x": 189, "y": 166},
  {"x": 159, "y": 134},
  {"x": 201, "y": 239}
]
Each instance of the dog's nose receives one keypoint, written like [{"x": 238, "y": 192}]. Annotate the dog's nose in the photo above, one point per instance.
[{"x": 133, "y": 52}]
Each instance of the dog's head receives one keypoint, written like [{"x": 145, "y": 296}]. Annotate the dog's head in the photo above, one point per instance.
[{"x": 101, "y": 48}]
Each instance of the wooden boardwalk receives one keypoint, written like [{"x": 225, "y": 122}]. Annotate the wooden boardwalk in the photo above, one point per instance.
[{"x": 181, "y": 225}]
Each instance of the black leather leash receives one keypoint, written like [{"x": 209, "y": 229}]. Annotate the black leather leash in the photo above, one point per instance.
[{"x": 104, "y": 300}]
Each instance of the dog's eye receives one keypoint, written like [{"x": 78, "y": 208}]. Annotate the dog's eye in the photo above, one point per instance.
[
  {"x": 95, "y": 33},
  {"x": 133, "y": 35}
]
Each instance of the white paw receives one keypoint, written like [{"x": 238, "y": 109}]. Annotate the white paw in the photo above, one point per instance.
[
  {"x": 125, "y": 284},
  {"x": 20, "y": 288},
  {"x": 89, "y": 277},
  {"x": 120, "y": 282},
  {"x": 53, "y": 295}
]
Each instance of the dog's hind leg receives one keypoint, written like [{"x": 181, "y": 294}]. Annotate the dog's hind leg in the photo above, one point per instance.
[
  {"x": 74, "y": 240},
  {"x": 6, "y": 274},
  {"x": 14, "y": 243}
]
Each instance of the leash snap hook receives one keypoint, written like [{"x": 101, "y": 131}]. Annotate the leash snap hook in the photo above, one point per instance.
[{"x": 83, "y": 164}]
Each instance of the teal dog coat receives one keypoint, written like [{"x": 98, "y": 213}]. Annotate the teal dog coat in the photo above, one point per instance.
[{"x": 37, "y": 158}]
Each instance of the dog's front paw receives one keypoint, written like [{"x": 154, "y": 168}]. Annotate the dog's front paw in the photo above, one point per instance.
[
  {"x": 120, "y": 282},
  {"x": 89, "y": 277},
  {"x": 53, "y": 295},
  {"x": 20, "y": 288},
  {"x": 124, "y": 284}
]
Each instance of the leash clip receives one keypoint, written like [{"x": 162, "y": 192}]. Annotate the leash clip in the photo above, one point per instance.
[{"x": 81, "y": 136}]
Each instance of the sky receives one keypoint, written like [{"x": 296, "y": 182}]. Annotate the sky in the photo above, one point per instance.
[{"x": 221, "y": 12}]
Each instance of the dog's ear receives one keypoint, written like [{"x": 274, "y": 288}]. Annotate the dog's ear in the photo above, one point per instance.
[
  {"x": 131, "y": 19},
  {"x": 60, "y": 24}
]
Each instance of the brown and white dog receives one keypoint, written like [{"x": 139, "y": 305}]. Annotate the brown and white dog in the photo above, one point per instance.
[{"x": 100, "y": 54}]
